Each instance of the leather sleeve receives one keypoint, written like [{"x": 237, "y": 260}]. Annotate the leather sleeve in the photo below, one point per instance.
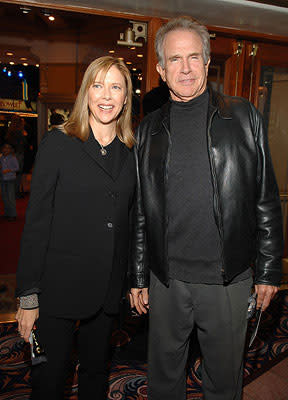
[
  {"x": 138, "y": 271},
  {"x": 268, "y": 212},
  {"x": 39, "y": 214}
]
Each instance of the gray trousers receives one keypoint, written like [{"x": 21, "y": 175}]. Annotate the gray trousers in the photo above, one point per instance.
[{"x": 218, "y": 313}]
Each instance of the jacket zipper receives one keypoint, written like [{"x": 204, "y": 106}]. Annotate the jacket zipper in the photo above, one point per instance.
[
  {"x": 166, "y": 189},
  {"x": 216, "y": 196}
]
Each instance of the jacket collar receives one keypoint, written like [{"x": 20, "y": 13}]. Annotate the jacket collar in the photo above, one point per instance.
[{"x": 216, "y": 103}]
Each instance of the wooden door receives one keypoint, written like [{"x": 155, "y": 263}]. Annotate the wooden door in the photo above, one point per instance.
[{"x": 267, "y": 88}]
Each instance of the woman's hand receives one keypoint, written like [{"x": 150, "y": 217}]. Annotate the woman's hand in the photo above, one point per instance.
[{"x": 26, "y": 320}]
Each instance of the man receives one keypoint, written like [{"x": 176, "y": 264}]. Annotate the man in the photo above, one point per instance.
[{"x": 208, "y": 210}]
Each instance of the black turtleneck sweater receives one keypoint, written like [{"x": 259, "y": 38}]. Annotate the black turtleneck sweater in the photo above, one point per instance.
[{"x": 194, "y": 249}]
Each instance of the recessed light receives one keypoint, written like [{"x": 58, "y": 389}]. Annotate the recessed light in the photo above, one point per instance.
[
  {"x": 111, "y": 51},
  {"x": 132, "y": 48},
  {"x": 23, "y": 58},
  {"x": 134, "y": 69},
  {"x": 140, "y": 55},
  {"x": 120, "y": 58},
  {"x": 11, "y": 63},
  {"x": 138, "y": 91},
  {"x": 51, "y": 18},
  {"x": 25, "y": 64},
  {"x": 25, "y": 10},
  {"x": 9, "y": 53},
  {"x": 128, "y": 62},
  {"x": 37, "y": 65}
]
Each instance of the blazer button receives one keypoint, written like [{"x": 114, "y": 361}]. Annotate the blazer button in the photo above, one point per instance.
[{"x": 110, "y": 225}]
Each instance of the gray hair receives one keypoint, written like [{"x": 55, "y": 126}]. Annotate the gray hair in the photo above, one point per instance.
[{"x": 182, "y": 24}]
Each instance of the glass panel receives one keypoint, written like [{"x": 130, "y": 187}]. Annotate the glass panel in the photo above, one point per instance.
[
  {"x": 216, "y": 76},
  {"x": 273, "y": 104}
]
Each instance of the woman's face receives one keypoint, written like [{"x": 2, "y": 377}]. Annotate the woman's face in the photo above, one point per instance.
[{"x": 106, "y": 97}]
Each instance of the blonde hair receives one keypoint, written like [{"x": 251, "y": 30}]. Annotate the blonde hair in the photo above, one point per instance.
[{"x": 78, "y": 122}]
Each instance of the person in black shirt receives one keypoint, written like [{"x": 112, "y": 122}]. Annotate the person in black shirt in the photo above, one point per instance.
[
  {"x": 208, "y": 210},
  {"x": 74, "y": 248}
]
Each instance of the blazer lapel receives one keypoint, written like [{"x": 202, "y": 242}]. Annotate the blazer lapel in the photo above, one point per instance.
[{"x": 119, "y": 164}]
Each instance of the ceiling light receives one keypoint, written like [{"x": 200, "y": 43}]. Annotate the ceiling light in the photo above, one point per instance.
[
  {"x": 132, "y": 48},
  {"x": 138, "y": 91},
  {"x": 23, "y": 58},
  {"x": 111, "y": 51},
  {"x": 9, "y": 53},
  {"x": 140, "y": 55},
  {"x": 51, "y": 18},
  {"x": 37, "y": 65},
  {"x": 11, "y": 63},
  {"x": 25, "y": 10},
  {"x": 25, "y": 64},
  {"x": 134, "y": 69},
  {"x": 120, "y": 58},
  {"x": 128, "y": 62}
]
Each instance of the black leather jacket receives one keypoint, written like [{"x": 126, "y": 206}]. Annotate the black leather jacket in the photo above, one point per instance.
[{"x": 246, "y": 200}]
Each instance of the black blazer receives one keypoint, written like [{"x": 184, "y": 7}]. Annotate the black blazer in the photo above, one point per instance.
[{"x": 74, "y": 248}]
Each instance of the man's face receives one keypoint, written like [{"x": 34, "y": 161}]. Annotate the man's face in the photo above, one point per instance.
[{"x": 184, "y": 69}]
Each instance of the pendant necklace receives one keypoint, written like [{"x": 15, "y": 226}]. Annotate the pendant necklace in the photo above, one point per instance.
[{"x": 102, "y": 150}]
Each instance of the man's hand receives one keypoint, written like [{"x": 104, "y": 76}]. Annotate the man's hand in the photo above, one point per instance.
[
  {"x": 265, "y": 294},
  {"x": 139, "y": 299},
  {"x": 26, "y": 320}
]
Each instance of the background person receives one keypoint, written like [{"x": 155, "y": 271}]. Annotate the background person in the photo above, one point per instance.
[
  {"x": 74, "y": 249},
  {"x": 57, "y": 121},
  {"x": 16, "y": 138},
  {"x": 8, "y": 169},
  {"x": 208, "y": 208}
]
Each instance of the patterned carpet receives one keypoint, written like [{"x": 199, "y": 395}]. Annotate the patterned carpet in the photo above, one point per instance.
[{"x": 127, "y": 379}]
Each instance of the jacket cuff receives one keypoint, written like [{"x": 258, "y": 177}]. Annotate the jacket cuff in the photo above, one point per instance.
[
  {"x": 29, "y": 302},
  {"x": 139, "y": 280}
]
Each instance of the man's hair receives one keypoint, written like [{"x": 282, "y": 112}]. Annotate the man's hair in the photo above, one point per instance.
[
  {"x": 78, "y": 122},
  {"x": 182, "y": 24},
  {"x": 56, "y": 119}
]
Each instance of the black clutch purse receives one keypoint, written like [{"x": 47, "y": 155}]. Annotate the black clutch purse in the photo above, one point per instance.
[{"x": 37, "y": 351}]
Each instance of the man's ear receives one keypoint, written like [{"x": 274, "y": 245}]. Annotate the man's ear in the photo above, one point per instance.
[
  {"x": 207, "y": 65},
  {"x": 161, "y": 72}
]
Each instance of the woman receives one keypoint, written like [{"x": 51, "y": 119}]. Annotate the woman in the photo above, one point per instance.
[{"x": 74, "y": 249}]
